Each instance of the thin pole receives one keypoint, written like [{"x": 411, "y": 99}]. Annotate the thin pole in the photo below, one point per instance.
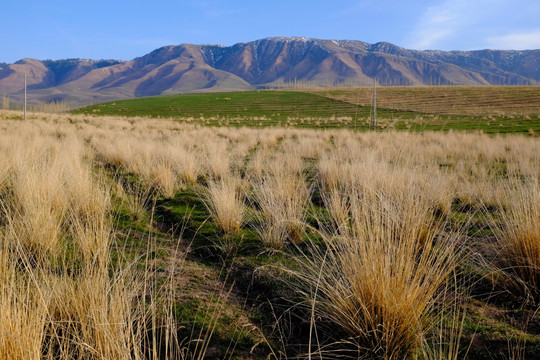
[
  {"x": 356, "y": 110},
  {"x": 374, "y": 104},
  {"x": 24, "y": 96}
]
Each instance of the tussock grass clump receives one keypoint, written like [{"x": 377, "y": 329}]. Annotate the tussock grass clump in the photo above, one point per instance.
[
  {"x": 283, "y": 204},
  {"x": 224, "y": 200},
  {"x": 379, "y": 283},
  {"x": 281, "y": 193},
  {"x": 161, "y": 177},
  {"x": 216, "y": 158},
  {"x": 338, "y": 205},
  {"x": 186, "y": 164},
  {"x": 23, "y": 314},
  {"x": 38, "y": 205},
  {"x": 133, "y": 199},
  {"x": 518, "y": 238},
  {"x": 49, "y": 316},
  {"x": 94, "y": 316}
]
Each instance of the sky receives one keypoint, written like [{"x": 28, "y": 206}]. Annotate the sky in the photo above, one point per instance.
[{"x": 124, "y": 30}]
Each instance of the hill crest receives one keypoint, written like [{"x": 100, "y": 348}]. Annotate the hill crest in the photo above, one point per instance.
[{"x": 264, "y": 63}]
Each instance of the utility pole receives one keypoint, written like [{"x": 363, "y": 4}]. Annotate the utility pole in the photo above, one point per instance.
[
  {"x": 374, "y": 104},
  {"x": 24, "y": 96},
  {"x": 356, "y": 110}
]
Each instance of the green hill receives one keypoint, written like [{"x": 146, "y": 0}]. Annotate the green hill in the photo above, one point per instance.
[{"x": 328, "y": 109}]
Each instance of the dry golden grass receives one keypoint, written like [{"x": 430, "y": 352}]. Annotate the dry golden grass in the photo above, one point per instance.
[
  {"x": 216, "y": 158},
  {"x": 387, "y": 258},
  {"x": 94, "y": 316},
  {"x": 387, "y": 206},
  {"x": 60, "y": 299},
  {"x": 517, "y": 265},
  {"x": 225, "y": 202},
  {"x": 59, "y": 296},
  {"x": 380, "y": 283},
  {"x": 282, "y": 199}
]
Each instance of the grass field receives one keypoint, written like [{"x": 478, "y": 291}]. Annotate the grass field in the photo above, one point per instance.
[
  {"x": 224, "y": 242},
  {"x": 446, "y": 100},
  {"x": 489, "y": 109},
  {"x": 129, "y": 237}
]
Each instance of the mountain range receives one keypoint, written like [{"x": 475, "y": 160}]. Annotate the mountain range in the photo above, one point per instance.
[{"x": 266, "y": 63}]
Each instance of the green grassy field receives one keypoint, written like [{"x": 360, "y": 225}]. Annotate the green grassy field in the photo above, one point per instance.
[
  {"x": 499, "y": 110},
  {"x": 252, "y": 108}
]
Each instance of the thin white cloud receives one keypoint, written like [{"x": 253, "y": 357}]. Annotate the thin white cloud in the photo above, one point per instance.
[
  {"x": 467, "y": 25},
  {"x": 436, "y": 23},
  {"x": 516, "y": 41},
  {"x": 444, "y": 20}
]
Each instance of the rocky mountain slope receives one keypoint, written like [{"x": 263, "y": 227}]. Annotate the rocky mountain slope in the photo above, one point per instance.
[{"x": 270, "y": 62}]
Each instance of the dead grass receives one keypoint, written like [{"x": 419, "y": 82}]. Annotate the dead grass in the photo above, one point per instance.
[
  {"x": 225, "y": 202},
  {"x": 518, "y": 238},
  {"x": 380, "y": 283},
  {"x": 283, "y": 203},
  {"x": 380, "y": 218}
]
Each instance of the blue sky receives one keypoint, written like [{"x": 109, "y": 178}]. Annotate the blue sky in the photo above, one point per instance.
[{"x": 58, "y": 29}]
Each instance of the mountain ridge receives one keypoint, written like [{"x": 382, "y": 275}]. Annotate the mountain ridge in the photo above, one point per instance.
[{"x": 264, "y": 63}]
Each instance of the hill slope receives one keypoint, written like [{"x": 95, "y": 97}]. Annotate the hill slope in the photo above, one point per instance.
[
  {"x": 263, "y": 63},
  {"x": 492, "y": 109}
]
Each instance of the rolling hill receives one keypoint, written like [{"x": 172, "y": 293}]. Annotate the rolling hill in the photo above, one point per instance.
[{"x": 270, "y": 62}]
